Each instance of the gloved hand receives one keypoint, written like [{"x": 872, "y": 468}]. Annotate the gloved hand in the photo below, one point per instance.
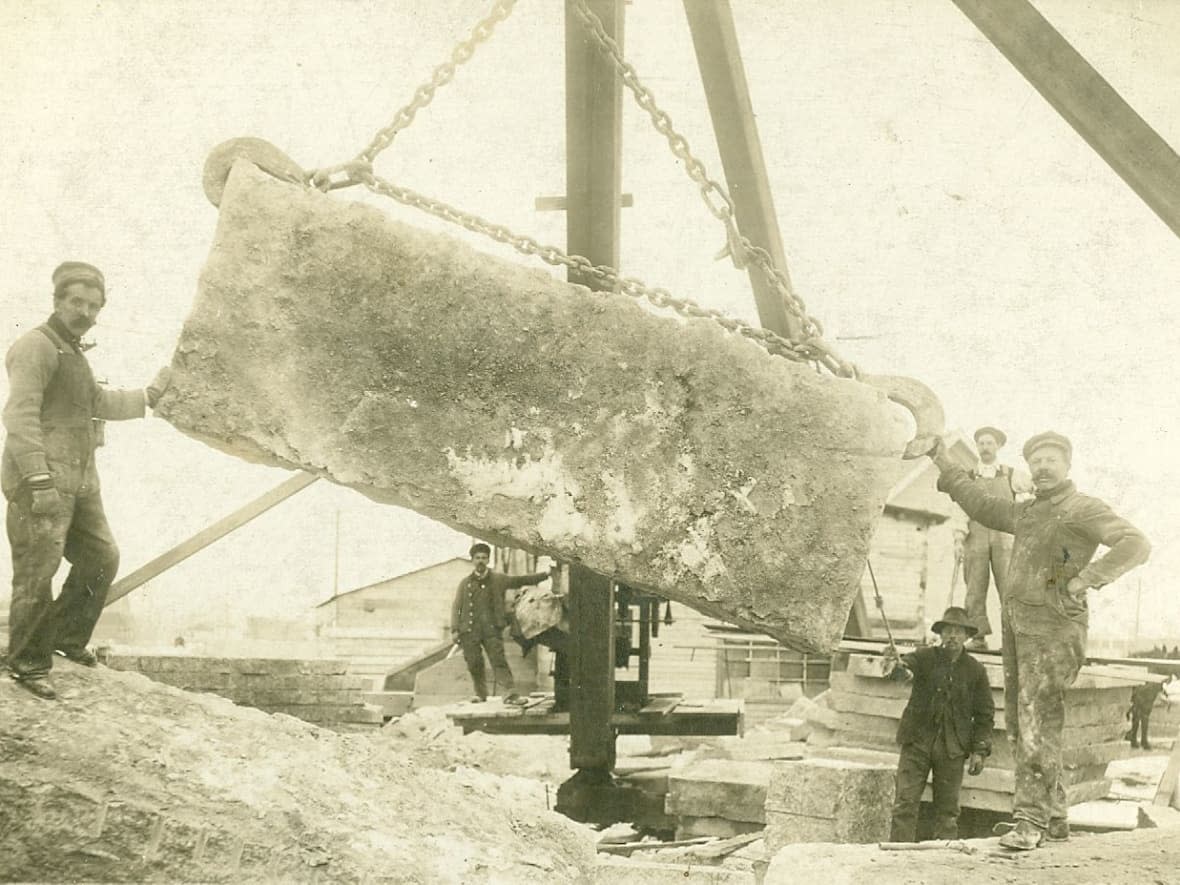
[
  {"x": 975, "y": 763},
  {"x": 159, "y": 384},
  {"x": 46, "y": 502}
]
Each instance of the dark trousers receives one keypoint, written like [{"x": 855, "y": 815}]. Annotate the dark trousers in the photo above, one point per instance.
[
  {"x": 38, "y": 623},
  {"x": 474, "y": 644},
  {"x": 915, "y": 761},
  {"x": 1140, "y": 723}
]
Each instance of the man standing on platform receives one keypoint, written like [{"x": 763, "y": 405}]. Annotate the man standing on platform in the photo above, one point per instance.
[
  {"x": 985, "y": 552},
  {"x": 478, "y": 619},
  {"x": 1045, "y": 613}
]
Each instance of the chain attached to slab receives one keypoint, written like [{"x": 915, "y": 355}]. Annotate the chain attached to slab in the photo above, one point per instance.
[
  {"x": 439, "y": 77},
  {"x": 809, "y": 347},
  {"x": 719, "y": 203}
]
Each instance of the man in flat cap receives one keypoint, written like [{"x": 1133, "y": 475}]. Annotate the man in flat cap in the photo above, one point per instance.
[
  {"x": 947, "y": 725},
  {"x": 50, "y": 480},
  {"x": 1045, "y": 613},
  {"x": 985, "y": 552},
  {"x": 478, "y": 619}
]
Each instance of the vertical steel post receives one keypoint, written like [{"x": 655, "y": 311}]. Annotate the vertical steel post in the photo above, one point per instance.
[{"x": 594, "y": 163}]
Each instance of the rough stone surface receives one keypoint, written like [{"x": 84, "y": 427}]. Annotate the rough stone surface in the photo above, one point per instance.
[
  {"x": 670, "y": 454},
  {"x": 825, "y": 800},
  {"x": 128, "y": 780},
  {"x": 720, "y": 788}
]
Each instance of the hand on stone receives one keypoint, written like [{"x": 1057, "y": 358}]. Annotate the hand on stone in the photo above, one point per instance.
[{"x": 159, "y": 384}]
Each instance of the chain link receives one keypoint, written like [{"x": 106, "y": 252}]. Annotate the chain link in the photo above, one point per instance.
[
  {"x": 801, "y": 351},
  {"x": 810, "y": 345},
  {"x": 441, "y": 76},
  {"x": 712, "y": 193}
]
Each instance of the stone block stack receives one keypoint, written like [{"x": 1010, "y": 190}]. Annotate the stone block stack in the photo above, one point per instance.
[
  {"x": 319, "y": 691},
  {"x": 864, "y": 709}
]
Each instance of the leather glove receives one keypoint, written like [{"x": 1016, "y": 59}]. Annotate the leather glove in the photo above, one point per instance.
[
  {"x": 159, "y": 384},
  {"x": 46, "y": 502},
  {"x": 975, "y": 763}
]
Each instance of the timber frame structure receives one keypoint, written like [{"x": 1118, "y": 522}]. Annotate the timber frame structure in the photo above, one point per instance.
[{"x": 593, "y": 200}]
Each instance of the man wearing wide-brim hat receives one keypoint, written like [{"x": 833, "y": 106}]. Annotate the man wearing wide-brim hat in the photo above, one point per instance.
[
  {"x": 947, "y": 725},
  {"x": 985, "y": 552},
  {"x": 51, "y": 482},
  {"x": 1045, "y": 613}
]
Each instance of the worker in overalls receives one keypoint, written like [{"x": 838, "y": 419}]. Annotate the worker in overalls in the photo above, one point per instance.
[
  {"x": 1045, "y": 613},
  {"x": 51, "y": 482},
  {"x": 478, "y": 619},
  {"x": 986, "y": 552}
]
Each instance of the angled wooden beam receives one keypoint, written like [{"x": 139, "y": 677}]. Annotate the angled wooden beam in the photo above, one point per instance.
[
  {"x": 719, "y": 58},
  {"x": 1085, "y": 99},
  {"x": 207, "y": 536}
]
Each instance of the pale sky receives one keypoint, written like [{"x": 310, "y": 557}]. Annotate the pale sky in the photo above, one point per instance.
[{"x": 928, "y": 197}]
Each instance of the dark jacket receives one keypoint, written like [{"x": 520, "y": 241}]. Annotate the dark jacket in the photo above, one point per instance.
[
  {"x": 1057, "y": 535},
  {"x": 960, "y": 691},
  {"x": 52, "y": 401},
  {"x": 479, "y": 602}
]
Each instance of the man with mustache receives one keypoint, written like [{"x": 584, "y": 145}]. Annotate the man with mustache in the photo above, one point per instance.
[
  {"x": 49, "y": 477},
  {"x": 985, "y": 552},
  {"x": 1045, "y": 614}
]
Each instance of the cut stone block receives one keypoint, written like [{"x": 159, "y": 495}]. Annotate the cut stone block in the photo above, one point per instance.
[
  {"x": 720, "y": 827},
  {"x": 671, "y": 454},
  {"x": 720, "y": 788},
  {"x": 825, "y": 800}
]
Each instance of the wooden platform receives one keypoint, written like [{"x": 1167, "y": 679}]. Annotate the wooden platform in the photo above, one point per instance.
[{"x": 664, "y": 714}]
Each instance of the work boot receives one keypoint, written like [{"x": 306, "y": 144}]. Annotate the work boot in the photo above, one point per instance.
[
  {"x": 83, "y": 656},
  {"x": 1025, "y": 836},
  {"x": 1146, "y": 745},
  {"x": 37, "y": 685},
  {"x": 1058, "y": 830},
  {"x": 515, "y": 700}
]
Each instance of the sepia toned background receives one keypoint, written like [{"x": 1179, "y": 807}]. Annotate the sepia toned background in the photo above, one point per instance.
[{"x": 938, "y": 216}]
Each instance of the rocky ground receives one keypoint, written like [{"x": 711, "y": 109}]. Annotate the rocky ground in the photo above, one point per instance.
[{"x": 124, "y": 779}]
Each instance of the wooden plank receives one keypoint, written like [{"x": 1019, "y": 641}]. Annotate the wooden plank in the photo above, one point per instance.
[
  {"x": 1063, "y": 77},
  {"x": 990, "y": 800},
  {"x": 207, "y": 536},
  {"x": 660, "y": 706},
  {"x": 559, "y": 204},
  {"x": 714, "y": 38},
  {"x": 1168, "y": 792}
]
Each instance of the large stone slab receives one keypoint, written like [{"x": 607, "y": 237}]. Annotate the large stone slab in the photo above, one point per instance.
[
  {"x": 735, "y": 790},
  {"x": 671, "y": 454},
  {"x": 828, "y": 800}
]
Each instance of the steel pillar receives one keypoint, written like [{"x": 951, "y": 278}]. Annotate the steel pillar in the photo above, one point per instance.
[{"x": 594, "y": 164}]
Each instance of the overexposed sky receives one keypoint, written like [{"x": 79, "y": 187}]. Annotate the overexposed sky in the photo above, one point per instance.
[{"x": 937, "y": 215}]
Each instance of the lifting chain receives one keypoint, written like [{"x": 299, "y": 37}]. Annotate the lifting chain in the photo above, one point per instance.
[
  {"x": 718, "y": 202},
  {"x": 811, "y": 346},
  {"x": 441, "y": 76}
]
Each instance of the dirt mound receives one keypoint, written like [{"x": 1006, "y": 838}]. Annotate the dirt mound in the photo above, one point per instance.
[{"x": 124, "y": 779}]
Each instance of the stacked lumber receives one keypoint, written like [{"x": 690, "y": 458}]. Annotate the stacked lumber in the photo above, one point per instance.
[{"x": 864, "y": 709}]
